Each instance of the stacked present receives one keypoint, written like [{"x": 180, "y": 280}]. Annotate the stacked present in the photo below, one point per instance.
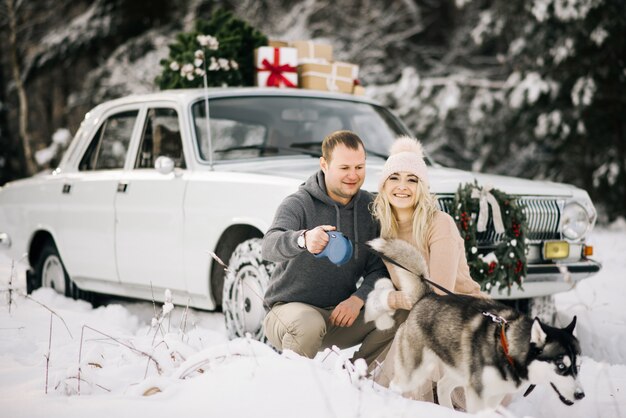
[
  {"x": 305, "y": 64},
  {"x": 276, "y": 67}
]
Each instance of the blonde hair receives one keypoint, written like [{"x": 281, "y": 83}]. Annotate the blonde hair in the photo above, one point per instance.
[{"x": 425, "y": 207}]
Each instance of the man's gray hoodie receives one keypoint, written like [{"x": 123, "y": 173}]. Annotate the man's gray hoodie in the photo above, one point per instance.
[{"x": 301, "y": 277}]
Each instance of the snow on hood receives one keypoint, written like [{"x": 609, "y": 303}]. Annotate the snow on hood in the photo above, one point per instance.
[
  {"x": 442, "y": 180},
  {"x": 446, "y": 180}
]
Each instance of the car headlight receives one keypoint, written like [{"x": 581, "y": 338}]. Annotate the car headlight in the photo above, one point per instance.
[{"x": 575, "y": 221}]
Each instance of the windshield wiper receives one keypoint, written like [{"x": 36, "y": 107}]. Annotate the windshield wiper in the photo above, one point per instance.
[
  {"x": 377, "y": 154},
  {"x": 246, "y": 147},
  {"x": 307, "y": 145},
  {"x": 264, "y": 148}
]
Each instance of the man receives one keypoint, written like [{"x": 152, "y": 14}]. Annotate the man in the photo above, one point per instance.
[{"x": 314, "y": 303}]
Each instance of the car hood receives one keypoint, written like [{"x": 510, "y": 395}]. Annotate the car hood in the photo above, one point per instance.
[{"x": 442, "y": 180}]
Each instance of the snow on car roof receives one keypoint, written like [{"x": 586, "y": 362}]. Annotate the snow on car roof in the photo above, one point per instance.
[{"x": 185, "y": 95}]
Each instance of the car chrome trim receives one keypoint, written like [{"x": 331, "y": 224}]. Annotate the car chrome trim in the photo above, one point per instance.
[
  {"x": 543, "y": 217},
  {"x": 588, "y": 266}
]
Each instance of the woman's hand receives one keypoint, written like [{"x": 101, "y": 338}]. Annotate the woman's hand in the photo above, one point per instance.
[{"x": 377, "y": 307}]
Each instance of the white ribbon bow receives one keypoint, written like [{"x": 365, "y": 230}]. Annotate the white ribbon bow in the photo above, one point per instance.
[{"x": 485, "y": 198}]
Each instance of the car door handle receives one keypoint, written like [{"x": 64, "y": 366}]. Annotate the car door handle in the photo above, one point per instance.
[
  {"x": 121, "y": 187},
  {"x": 67, "y": 188}
]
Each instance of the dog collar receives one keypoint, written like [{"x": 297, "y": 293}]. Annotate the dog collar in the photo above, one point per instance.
[{"x": 503, "y": 323}]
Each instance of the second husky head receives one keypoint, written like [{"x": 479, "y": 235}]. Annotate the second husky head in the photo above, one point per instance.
[{"x": 556, "y": 360}]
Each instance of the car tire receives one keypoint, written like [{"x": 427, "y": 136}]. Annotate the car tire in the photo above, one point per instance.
[
  {"x": 244, "y": 288},
  {"x": 217, "y": 285},
  {"x": 50, "y": 271}
]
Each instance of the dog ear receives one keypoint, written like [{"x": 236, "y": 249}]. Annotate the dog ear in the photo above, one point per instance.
[
  {"x": 537, "y": 334},
  {"x": 570, "y": 327}
]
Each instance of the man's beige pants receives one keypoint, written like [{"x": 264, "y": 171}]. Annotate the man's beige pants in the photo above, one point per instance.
[{"x": 306, "y": 330}]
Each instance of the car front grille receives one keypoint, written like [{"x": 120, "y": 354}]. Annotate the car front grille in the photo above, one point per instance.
[{"x": 543, "y": 217}]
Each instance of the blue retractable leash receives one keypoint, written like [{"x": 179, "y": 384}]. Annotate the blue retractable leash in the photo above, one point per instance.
[{"x": 338, "y": 250}]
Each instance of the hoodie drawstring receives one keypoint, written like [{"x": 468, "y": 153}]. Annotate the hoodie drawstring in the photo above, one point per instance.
[
  {"x": 355, "y": 225},
  {"x": 356, "y": 237}
]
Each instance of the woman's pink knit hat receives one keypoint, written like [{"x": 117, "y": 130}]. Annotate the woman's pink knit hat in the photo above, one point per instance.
[{"x": 405, "y": 155}]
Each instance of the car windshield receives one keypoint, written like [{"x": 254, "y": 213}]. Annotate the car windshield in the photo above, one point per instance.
[{"x": 259, "y": 126}]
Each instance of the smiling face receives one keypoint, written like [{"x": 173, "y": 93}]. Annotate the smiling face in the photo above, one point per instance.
[
  {"x": 344, "y": 173},
  {"x": 401, "y": 191}
]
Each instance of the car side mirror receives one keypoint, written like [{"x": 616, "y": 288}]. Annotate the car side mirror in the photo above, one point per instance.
[{"x": 164, "y": 165}]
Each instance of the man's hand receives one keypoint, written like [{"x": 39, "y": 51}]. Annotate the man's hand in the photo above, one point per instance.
[
  {"x": 317, "y": 238},
  {"x": 346, "y": 312}
]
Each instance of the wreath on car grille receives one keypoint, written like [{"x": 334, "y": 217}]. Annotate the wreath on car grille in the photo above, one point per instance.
[{"x": 506, "y": 264}]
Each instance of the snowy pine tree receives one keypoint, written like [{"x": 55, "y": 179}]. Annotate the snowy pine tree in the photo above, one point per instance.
[{"x": 565, "y": 97}]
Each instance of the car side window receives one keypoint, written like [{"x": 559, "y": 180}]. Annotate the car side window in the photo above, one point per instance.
[
  {"x": 108, "y": 147},
  {"x": 160, "y": 137}
]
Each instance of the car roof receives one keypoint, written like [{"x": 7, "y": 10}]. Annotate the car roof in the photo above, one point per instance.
[{"x": 190, "y": 95}]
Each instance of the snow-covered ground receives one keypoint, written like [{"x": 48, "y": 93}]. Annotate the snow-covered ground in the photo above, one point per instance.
[{"x": 201, "y": 373}]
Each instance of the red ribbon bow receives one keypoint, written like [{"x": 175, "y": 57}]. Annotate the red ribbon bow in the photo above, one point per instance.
[{"x": 276, "y": 77}]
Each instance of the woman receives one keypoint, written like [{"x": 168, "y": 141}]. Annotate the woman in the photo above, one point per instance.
[{"x": 406, "y": 210}]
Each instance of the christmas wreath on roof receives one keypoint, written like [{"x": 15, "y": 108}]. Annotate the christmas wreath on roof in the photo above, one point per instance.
[
  {"x": 506, "y": 265},
  {"x": 219, "y": 51}
]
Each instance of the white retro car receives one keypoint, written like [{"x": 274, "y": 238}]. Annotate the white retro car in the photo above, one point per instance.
[{"x": 146, "y": 192}]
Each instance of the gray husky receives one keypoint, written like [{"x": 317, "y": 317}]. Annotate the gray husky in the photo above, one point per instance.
[{"x": 487, "y": 348}]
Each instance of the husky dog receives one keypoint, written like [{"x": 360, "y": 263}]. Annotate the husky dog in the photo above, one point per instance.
[{"x": 452, "y": 332}]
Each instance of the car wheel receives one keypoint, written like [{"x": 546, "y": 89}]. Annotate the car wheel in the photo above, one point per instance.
[
  {"x": 544, "y": 308},
  {"x": 244, "y": 288},
  {"x": 51, "y": 273}
]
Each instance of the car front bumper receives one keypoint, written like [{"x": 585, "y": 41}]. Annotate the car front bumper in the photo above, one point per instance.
[{"x": 548, "y": 279}]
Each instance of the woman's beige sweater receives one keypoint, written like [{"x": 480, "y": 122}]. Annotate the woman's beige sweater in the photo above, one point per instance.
[{"x": 444, "y": 255}]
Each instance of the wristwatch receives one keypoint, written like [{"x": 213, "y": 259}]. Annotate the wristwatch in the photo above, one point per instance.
[{"x": 301, "y": 241}]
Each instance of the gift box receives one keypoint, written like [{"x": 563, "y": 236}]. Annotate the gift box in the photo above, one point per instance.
[
  {"x": 276, "y": 67},
  {"x": 275, "y": 43},
  {"x": 335, "y": 77},
  {"x": 313, "y": 52},
  {"x": 358, "y": 90}
]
